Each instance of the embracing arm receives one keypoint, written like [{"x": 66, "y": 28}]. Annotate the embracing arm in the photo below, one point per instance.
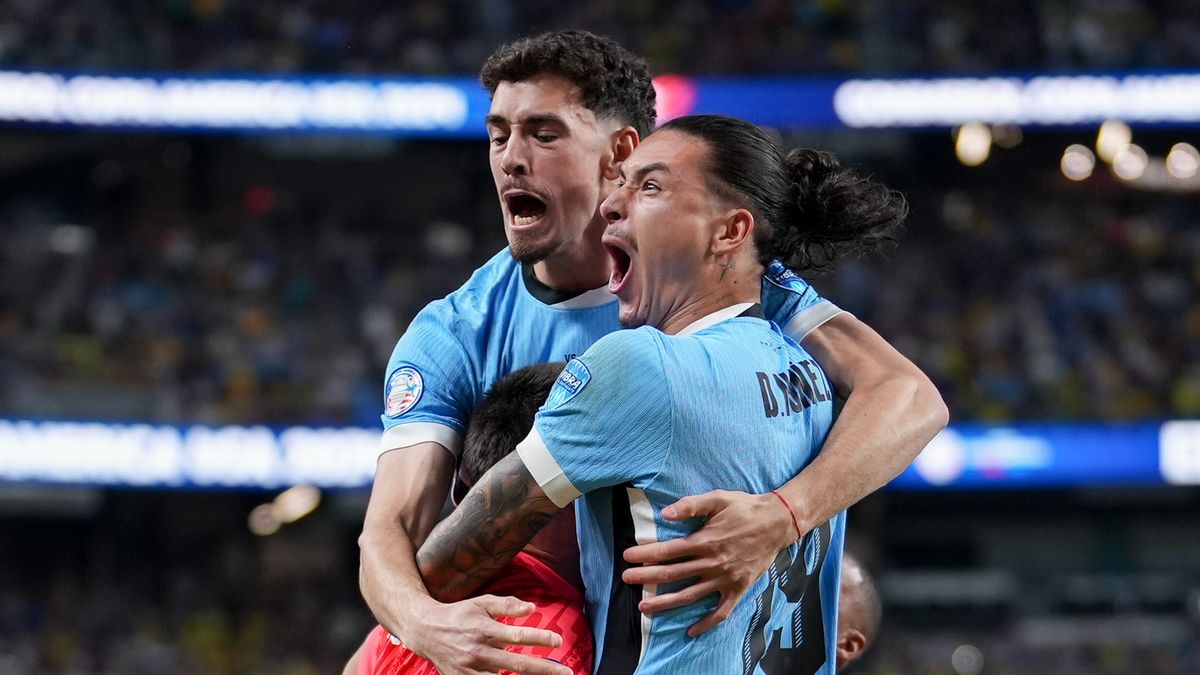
[
  {"x": 406, "y": 499},
  {"x": 891, "y": 413},
  {"x": 499, "y": 516},
  {"x": 461, "y": 637}
]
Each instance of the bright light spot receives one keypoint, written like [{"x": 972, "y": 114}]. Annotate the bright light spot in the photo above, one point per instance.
[
  {"x": 1007, "y": 135},
  {"x": 1114, "y": 136},
  {"x": 1130, "y": 162},
  {"x": 1078, "y": 162},
  {"x": 973, "y": 143},
  {"x": 296, "y": 502},
  {"x": 263, "y": 521},
  {"x": 967, "y": 660},
  {"x": 1183, "y": 161}
]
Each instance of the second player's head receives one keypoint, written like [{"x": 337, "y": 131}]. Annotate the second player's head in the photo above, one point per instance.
[
  {"x": 707, "y": 201},
  {"x": 567, "y": 108},
  {"x": 502, "y": 420}
]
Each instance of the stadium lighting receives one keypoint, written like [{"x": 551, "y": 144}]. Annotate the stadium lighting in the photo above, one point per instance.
[
  {"x": 972, "y": 143},
  {"x": 1078, "y": 162},
  {"x": 296, "y": 502},
  {"x": 1113, "y": 137},
  {"x": 263, "y": 521},
  {"x": 1130, "y": 163},
  {"x": 967, "y": 660},
  {"x": 1183, "y": 161}
]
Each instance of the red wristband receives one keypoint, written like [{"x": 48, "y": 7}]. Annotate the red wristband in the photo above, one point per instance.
[{"x": 788, "y": 506}]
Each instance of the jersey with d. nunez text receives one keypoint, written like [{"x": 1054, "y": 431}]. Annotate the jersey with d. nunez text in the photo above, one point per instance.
[
  {"x": 643, "y": 419},
  {"x": 502, "y": 319}
]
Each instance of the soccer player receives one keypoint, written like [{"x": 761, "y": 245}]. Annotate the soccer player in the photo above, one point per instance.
[
  {"x": 859, "y": 612},
  {"x": 567, "y": 109},
  {"x": 545, "y": 573},
  {"x": 712, "y": 395}
]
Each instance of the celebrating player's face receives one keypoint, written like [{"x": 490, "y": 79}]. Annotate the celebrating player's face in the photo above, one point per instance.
[
  {"x": 659, "y": 228},
  {"x": 548, "y": 153}
]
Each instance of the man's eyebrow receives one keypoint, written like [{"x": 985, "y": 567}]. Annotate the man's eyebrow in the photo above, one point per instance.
[
  {"x": 531, "y": 120},
  {"x": 647, "y": 170}
]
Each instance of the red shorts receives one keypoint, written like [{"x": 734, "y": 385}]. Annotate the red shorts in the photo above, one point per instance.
[{"x": 559, "y": 609}]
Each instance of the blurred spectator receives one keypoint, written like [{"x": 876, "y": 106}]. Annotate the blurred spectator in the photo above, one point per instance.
[{"x": 279, "y": 301}]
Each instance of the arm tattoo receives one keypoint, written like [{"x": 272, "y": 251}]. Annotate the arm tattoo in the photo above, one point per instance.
[{"x": 499, "y": 516}]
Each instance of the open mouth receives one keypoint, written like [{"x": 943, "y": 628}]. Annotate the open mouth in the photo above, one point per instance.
[
  {"x": 525, "y": 208},
  {"x": 621, "y": 264}
]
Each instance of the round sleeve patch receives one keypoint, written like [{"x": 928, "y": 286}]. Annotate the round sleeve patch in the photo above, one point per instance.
[
  {"x": 570, "y": 382},
  {"x": 404, "y": 388}
]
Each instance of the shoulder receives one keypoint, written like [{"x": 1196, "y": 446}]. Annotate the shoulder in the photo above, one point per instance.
[
  {"x": 619, "y": 362},
  {"x": 630, "y": 346}
]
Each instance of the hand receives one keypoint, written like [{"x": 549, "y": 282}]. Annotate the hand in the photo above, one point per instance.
[
  {"x": 464, "y": 638},
  {"x": 736, "y": 545}
]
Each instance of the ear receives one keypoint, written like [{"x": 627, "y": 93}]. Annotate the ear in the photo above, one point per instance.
[
  {"x": 734, "y": 228},
  {"x": 624, "y": 141},
  {"x": 850, "y": 646}
]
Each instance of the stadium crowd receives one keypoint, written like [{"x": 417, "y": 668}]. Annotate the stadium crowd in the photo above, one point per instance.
[
  {"x": 273, "y": 303},
  {"x": 697, "y": 36}
]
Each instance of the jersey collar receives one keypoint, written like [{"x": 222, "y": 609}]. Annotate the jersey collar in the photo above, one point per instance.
[
  {"x": 740, "y": 309},
  {"x": 563, "y": 299}
]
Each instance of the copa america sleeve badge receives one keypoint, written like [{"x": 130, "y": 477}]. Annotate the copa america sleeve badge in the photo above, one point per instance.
[
  {"x": 570, "y": 382},
  {"x": 404, "y": 388}
]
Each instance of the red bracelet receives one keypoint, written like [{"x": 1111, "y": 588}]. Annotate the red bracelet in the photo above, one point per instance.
[{"x": 799, "y": 534}]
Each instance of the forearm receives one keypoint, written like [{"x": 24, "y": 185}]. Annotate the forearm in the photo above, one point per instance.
[
  {"x": 388, "y": 577},
  {"x": 881, "y": 429},
  {"x": 498, "y": 517},
  {"x": 406, "y": 500}
]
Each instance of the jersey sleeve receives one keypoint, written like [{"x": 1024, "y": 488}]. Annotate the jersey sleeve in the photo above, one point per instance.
[
  {"x": 428, "y": 389},
  {"x": 606, "y": 422},
  {"x": 792, "y": 303}
]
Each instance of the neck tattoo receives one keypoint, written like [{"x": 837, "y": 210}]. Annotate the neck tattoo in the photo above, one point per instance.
[{"x": 725, "y": 267}]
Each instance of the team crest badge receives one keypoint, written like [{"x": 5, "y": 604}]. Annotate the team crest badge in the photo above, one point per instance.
[
  {"x": 404, "y": 389},
  {"x": 570, "y": 382}
]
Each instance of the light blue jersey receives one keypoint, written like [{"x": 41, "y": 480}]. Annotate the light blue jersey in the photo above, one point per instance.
[
  {"x": 642, "y": 419},
  {"x": 501, "y": 320}
]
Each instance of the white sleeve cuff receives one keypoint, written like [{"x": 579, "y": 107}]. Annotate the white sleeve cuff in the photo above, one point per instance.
[
  {"x": 546, "y": 471},
  {"x": 414, "y": 433},
  {"x": 811, "y": 319}
]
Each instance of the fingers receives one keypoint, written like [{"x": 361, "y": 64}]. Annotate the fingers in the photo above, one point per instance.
[
  {"x": 498, "y": 607},
  {"x": 663, "y": 551},
  {"x": 503, "y": 635},
  {"x": 697, "y": 505},
  {"x": 684, "y": 596},
  {"x": 722, "y": 612},
  {"x": 493, "y": 660},
  {"x": 661, "y": 574}
]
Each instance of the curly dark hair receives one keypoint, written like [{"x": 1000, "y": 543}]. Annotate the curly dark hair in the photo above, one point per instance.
[
  {"x": 615, "y": 83},
  {"x": 810, "y": 209}
]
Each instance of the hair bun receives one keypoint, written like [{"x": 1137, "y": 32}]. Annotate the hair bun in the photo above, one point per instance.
[{"x": 833, "y": 212}]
